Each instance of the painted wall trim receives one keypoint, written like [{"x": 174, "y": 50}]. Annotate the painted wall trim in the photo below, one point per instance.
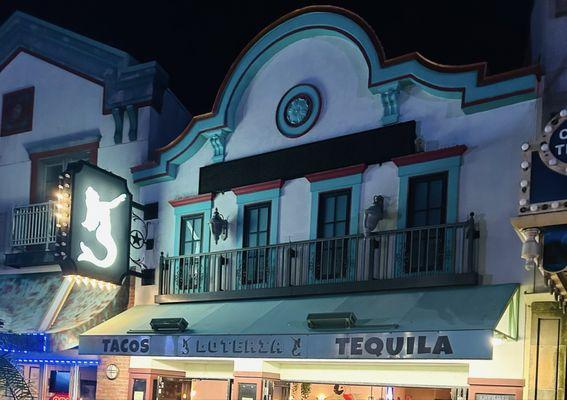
[
  {"x": 275, "y": 184},
  {"x": 336, "y": 173},
  {"x": 430, "y": 155},
  {"x": 191, "y": 199},
  {"x": 470, "y": 83}
]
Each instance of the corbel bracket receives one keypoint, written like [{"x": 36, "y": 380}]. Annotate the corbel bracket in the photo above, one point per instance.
[
  {"x": 217, "y": 138},
  {"x": 389, "y": 95}
]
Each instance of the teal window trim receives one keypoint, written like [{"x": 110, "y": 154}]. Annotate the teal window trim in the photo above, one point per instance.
[
  {"x": 271, "y": 195},
  {"x": 451, "y": 165},
  {"x": 352, "y": 182},
  {"x": 203, "y": 207}
]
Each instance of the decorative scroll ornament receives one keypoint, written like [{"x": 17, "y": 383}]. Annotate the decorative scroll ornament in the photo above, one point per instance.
[{"x": 139, "y": 238}]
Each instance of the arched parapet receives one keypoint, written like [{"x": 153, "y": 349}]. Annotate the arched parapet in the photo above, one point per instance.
[{"x": 477, "y": 91}]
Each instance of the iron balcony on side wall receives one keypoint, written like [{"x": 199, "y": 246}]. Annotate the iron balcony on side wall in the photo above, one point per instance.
[
  {"x": 32, "y": 236},
  {"x": 428, "y": 256}
]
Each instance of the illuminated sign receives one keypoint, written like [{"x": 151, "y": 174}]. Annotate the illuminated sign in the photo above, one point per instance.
[
  {"x": 474, "y": 344},
  {"x": 98, "y": 220},
  {"x": 93, "y": 221},
  {"x": 552, "y": 143},
  {"x": 558, "y": 142}
]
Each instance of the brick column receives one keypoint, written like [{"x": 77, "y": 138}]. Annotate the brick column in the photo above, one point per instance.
[{"x": 107, "y": 389}]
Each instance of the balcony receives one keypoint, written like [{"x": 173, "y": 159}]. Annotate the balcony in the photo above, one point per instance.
[
  {"x": 33, "y": 235},
  {"x": 406, "y": 258}
]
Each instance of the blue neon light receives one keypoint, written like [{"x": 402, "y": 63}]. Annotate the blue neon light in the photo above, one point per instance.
[
  {"x": 55, "y": 361},
  {"x": 23, "y": 342}
]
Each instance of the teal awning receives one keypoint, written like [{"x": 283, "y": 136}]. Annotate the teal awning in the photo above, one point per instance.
[
  {"x": 442, "y": 309},
  {"x": 435, "y": 323}
]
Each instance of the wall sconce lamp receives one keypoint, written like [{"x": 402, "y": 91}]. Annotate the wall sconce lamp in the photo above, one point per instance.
[
  {"x": 373, "y": 215},
  {"x": 531, "y": 248},
  {"x": 219, "y": 226}
]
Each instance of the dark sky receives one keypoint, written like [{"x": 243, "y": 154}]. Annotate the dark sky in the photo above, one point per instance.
[{"x": 196, "y": 41}]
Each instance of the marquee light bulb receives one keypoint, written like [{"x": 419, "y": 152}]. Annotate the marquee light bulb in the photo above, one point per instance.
[
  {"x": 525, "y": 165},
  {"x": 555, "y": 204},
  {"x": 533, "y": 207},
  {"x": 544, "y": 147},
  {"x": 563, "y": 113},
  {"x": 552, "y": 161},
  {"x": 524, "y": 183},
  {"x": 525, "y": 146},
  {"x": 523, "y": 202},
  {"x": 547, "y": 129}
]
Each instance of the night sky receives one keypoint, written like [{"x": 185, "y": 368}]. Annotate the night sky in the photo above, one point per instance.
[{"x": 196, "y": 41}]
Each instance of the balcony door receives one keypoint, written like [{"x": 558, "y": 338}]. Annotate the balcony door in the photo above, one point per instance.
[
  {"x": 333, "y": 223},
  {"x": 427, "y": 209},
  {"x": 256, "y": 235},
  {"x": 191, "y": 269}
]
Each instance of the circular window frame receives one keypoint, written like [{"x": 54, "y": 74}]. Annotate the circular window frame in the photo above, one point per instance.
[{"x": 295, "y": 131}]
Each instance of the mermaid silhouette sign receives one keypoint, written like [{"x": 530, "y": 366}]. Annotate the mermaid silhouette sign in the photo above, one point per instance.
[
  {"x": 100, "y": 224},
  {"x": 98, "y": 219}
]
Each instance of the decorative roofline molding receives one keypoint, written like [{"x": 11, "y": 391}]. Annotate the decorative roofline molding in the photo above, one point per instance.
[
  {"x": 125, "y": 80},
  {"x": 470, "y": 83},
  {"x": 336, "y": 173},
  {"x": 257, "y": 187},
  {"x": 191, "y": 199},
  {"x": 430, "y": 155}
]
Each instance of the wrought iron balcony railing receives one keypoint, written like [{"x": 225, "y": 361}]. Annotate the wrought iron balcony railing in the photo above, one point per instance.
[
  {"x": 432, "y": 252},
  {"x": 33, "y": 225}
]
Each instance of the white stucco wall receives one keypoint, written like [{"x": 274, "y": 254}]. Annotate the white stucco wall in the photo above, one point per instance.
[
  {"x": 489, "y": 176},
  {"x": 65, "y": 104}
]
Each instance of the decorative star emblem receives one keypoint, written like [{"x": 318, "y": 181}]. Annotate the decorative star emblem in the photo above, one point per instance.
[{"x": 136, "y": 239}]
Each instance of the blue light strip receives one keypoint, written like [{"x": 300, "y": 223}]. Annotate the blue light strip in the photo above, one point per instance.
[
  {"x": 6, "y": 346},
  {"x": 54, "y": 361}
]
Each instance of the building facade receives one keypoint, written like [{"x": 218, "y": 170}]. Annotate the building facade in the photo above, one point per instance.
[
  {"x": 336, "y": 228},
  {"x": 64, "y": 98},
  {"x": 540, "y": 217}
]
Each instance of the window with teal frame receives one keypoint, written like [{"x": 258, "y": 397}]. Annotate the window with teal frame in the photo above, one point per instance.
[
  {"x": 202, "y": 208},
  {"x": 257, "y": 267},
  {"x": 262, "y": 196},
  {"x": 428, "y": 204},
  {"x": 330, "y": 259},
  {"x": 352, "y": 182}
]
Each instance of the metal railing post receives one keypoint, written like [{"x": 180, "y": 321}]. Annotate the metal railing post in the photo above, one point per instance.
[{"x": 471, "y": 236}]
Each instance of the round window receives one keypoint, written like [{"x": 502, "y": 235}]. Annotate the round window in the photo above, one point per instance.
[{"x": 298, "y": 110}]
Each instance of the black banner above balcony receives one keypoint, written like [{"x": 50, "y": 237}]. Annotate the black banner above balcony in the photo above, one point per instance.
[
  {"x": 94, "y": 210},
  {"x": 370, "y": 147}
]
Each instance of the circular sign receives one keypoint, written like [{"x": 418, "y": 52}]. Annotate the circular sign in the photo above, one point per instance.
[
  {"x": 298, "y": 110},
  {"x": 552, "y": 143},
  {"x": 112, "y": 371},
  {"x": 558, "y": 142}
]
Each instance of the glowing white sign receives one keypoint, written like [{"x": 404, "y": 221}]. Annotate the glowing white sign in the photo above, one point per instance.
[{"x": 98, "y": 219}]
